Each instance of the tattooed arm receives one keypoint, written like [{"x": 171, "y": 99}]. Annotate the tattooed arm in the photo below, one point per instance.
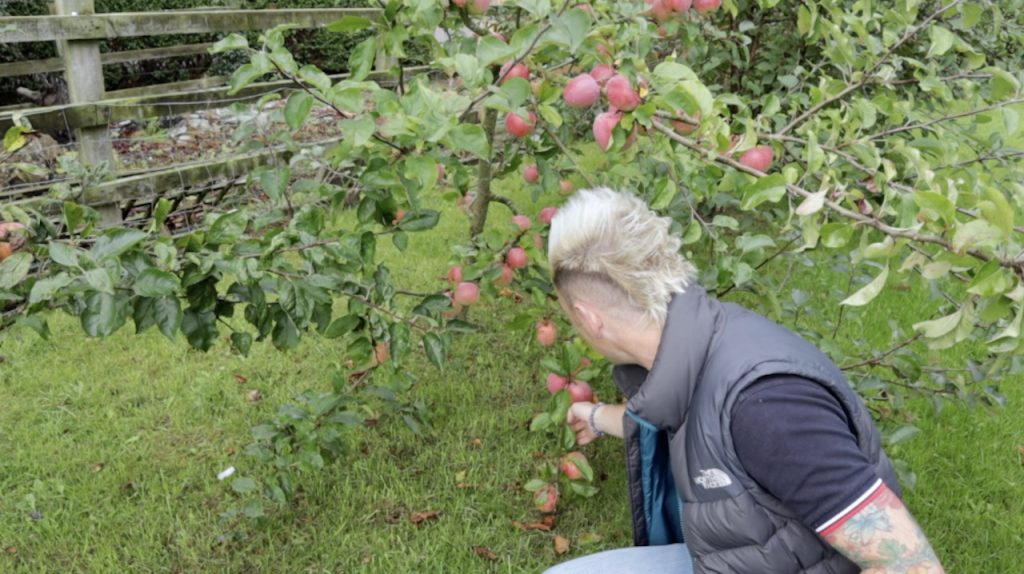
[{"x": 881, "y": 536}]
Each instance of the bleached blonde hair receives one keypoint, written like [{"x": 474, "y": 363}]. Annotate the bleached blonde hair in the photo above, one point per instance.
[{"x": 614, "y": 242}]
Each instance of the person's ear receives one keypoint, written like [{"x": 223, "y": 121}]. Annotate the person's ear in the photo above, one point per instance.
[{"x": 590, "y": 318}]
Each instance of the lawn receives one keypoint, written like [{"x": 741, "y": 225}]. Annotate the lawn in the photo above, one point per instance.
[{"x": 112, "y": 449}]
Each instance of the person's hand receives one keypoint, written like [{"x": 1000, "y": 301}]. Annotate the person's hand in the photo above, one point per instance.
[{"x": 578, "y": 419}]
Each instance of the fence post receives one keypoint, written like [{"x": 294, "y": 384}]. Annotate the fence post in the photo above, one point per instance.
[{"x": 84, "y": 73}]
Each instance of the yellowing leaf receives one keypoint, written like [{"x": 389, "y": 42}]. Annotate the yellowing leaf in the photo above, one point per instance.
[{"x": 868, "y": 292}]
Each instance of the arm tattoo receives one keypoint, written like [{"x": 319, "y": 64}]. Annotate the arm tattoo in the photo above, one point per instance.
[{"x": 883, "y": 537}]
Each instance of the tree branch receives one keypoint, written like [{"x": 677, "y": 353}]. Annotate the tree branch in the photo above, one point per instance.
[
  {"x": 869, "y": 75},
  {"x": 876, "y": 360},
  {"x": 568, "y": 154},
  {"x": 506, "y": 202}
]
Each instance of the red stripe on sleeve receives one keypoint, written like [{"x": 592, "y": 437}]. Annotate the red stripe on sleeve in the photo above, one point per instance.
[{"x": 840, "y": 521}]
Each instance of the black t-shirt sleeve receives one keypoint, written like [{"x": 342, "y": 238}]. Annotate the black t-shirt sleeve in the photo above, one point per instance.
[{"x": 794, "y": 438}]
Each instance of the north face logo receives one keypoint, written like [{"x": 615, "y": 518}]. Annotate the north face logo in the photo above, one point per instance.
[{"x": 713, "y": 478}]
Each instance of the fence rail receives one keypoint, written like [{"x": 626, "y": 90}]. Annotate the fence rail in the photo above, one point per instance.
[{"x": 78, "y": 31}]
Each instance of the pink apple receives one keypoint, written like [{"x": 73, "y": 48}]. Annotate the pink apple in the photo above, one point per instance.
[
  {"x": 455, "y": 275},
  {"x": 679, "y": 6},
  {"x": 531, "y": 174},
  {"x": 547, "y": 333},
  {"x": 506, "y": 276},
  {"x": 602, "y": 73},
  {"x": 479, "y": 6},
  {"x": 580, "y": 392},
  {"x": 759, "y": 158},
  {"x": 569, "y": 465},
  {"x": 522, "y": 221},
  {"x": 556, "y": 383},
  {"x": 566, "y": 186},
  {"x": 546, "y": 499},
  {"x": 581, "y": 91},
  {"x": 705, "y": 6},
  {"x": 516, "y": 258},
  {"x": 659, "y": 10},
  {"x": 621, "y": 94},
  {"x": 467, "y": 293},
  {"x": 546, "y": 215},
  {"x": 538, "y": 241},
  {"x": 520, "y": 127},
  {"x": 604, "y": 124},
  {"x": 510, "y": 71}
]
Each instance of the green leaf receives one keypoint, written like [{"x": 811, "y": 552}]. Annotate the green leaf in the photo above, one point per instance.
[
  {"x": 540, "y": 422},
  {"x": 315, "y": 77},
  {"x": 243, "y": 76},
  {"x": 836, "y": 235},
  {"x": 938, "y": 327},
  {"x": 470, "y": 138},
  {"x": 868, "y": 292},
  {"x": 296, "y": 110},
  {"x": 360, "y": 60},
  {"x": 942, "y": 40},
  {"x": 233, "y": 41},
  {"x": 434, "y": 346},
  {"x": 160, "y": 212},
  {"x": 14, "y": 269},
  {"x": 975, "y": 233},
  {"x": 342, "y": 326},
  {"x": 358, "y": 130},
  {"x": 1003, "y": 84},
  {"x": 156, "y": 283},
  {"x": 199, "y": 328},
  {"x": 37, "y": 324},
  {"x": 350, "y": 24},
  {"x": 491, "y": 49},
  {"x": 420, "y": 221},
  {"x": 768, "y": 188},
  {"x": 167, "y": 314},
  {"x": 903, "y": 433},
  {"x": 938, "y": 204},
  {"x": 534, "y": 484},
  {"x": 243, "y": 484},
  {"x": 227, "y": 229},
  {"x": 100, "y": 280},
  {"x": 103, "y": 314},
  {"x": 116, "y": 242},
  {"x": 44, "y": 289}
]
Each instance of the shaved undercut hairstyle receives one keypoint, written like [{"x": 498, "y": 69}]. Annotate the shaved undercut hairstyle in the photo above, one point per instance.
[{"x": 613, "y": 248}]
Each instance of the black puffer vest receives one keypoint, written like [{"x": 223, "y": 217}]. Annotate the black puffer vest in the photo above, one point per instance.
[{"x": 684, "y": 474}]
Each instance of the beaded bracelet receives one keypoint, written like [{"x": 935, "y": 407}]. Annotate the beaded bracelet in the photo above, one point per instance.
[{"x": 593, "y": 427}]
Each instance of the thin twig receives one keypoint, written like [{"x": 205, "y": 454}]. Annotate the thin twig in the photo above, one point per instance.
[{"x": 879, "y": 358}]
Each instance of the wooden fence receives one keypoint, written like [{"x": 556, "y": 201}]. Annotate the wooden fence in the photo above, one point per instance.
[{"x": 78, "y": 31}]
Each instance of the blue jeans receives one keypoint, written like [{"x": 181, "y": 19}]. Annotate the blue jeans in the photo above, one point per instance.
[{"x": 669, "y": 559}]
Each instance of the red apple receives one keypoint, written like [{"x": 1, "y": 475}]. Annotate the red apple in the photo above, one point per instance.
[
  {"x": 569, "y": 465},
  {"x": 506, "y": 276},
  {"x": 659, "y": 10},
  {"x": 621, "y": 94},
  {"x": 522, "y": 221},
  {"x": 467, "y": 293},
  {"x": 602, "y": 73},
  {"x": 677, "y": 5},
  {"x": 547, "y": 333},
  {"x": 759, "y": 158},
  {"x": 556, "y": 383},
  {"x": 585, "y": 362},
  {"x": 705, "y": 6},
  {"x": 520, "y": 127},
  {"x": 538, "y": 241},
  {"x": 586, "y": 8},
  {"x": 604, "y": 124},
  {"x": 566, "y": 186},
  {"x": 687, "y": 127},
  {"x": 479, "y": 6},
  {"x": 546, "y": 215},
  {"x": 516, "y": 258},
  {"x": 581, "y": 91},
  {"x": 580, "y": 392},
  {"x": 531, "y": 174},
  {"x": 517, "y": 71},
  {"x": 455, "y": 275},
  {"x": 546, "y": 499}
]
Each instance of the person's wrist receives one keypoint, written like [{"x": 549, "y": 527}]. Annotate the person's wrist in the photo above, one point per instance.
[{"x": 592, "y": 422}]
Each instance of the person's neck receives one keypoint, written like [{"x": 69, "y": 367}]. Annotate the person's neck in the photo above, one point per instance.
[{"x": 643, "y": 343}]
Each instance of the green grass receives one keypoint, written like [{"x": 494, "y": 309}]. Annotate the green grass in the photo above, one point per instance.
[{"x": 111, "y": 450}]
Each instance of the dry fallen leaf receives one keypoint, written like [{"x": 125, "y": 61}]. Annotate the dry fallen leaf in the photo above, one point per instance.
[
  {"x": 1020, "y": 448},
  {"x": 254, "y": 396},
  {"x": 421, "y": 517},
  {"x": 484, "y": 552},
  {"x": 242, "y": 379},
  {"x": 531, "y": 525},
  {"x": 97, "y": 467},
  {"x": 393, "y": 516},
  {"x": 12, "y": 549},
  {"x": 561, "y": 545},
  {"x": 476, "y": 441}
]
